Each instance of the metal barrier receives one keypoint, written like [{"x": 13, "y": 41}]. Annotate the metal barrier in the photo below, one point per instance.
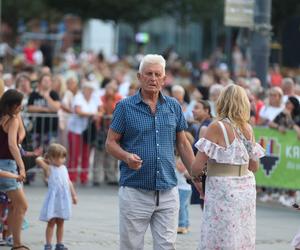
[
  {"x": 41, "y": 128},
  {"x": 44, "y": 128}
]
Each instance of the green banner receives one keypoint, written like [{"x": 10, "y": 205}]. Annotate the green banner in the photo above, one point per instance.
[{"x": 281, "y": 166}]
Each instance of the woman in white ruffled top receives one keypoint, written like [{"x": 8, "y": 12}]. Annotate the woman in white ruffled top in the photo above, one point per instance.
[{"x": 232, "y": 156}]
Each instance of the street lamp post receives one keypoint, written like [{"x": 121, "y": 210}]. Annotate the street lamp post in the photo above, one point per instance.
[{"x": 260, "y": 49}]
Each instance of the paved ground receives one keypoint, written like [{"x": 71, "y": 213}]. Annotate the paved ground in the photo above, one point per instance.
[{"x": 95, "y": 223}]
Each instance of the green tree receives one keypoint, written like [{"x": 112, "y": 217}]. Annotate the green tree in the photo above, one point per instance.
[
  {"x": 281, "y": 11},
  {"x": 133, "y": 12},
  {"x": 14, "y": 10},
  {"x": 195, "y": 10}
]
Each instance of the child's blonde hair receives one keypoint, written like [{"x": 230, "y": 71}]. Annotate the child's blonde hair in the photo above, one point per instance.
[{"x": 56, "y": 150}]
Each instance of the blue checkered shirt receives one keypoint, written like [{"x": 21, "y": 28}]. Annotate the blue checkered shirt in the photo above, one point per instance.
[{"x": 152, "y": 137}]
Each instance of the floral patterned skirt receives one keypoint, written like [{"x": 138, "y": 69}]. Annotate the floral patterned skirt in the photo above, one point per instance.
[{"x": 229, "y": 216}]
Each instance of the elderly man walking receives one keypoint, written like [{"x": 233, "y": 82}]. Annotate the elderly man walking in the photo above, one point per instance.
[{"x": 144, "y": 132}]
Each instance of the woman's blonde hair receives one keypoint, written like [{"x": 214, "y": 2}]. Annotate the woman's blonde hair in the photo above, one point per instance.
[
  {"x": 55, "y": 151},
  {"x": 233, "y": 103}
]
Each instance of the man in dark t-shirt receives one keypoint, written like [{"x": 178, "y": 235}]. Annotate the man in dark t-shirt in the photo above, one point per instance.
[{"x": 45, "y": 103}]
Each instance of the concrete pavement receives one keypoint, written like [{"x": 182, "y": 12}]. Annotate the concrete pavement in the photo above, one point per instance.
[{"x": 94, "y": 224}]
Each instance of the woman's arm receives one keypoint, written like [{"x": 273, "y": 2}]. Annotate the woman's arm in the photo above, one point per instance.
[
  {"x": 66, "y": 108},
  {"x": 13, "y": 128},
  {"x": 253, "y": 164},
  {"x": 202, "y": 131},
  {"x": 54, "y": 105},
  {"x": 212, "y": 133},
  {"x": 73, "y": 193},
  {"x": 6, "y": 174},
  {"x": 199, "y": 164},
  {"x": 79, "y": 112}
]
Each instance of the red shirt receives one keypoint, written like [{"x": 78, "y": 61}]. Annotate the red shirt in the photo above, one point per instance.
[
  {"x": 276, "y": 79},
  {"x": 258, "y": 105},
  {"x": 29, "y": 54},
  {"x": 108, "y": 105}
]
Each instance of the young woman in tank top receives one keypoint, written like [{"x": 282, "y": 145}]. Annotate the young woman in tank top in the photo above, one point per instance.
[{"x": 10, "y": 160}]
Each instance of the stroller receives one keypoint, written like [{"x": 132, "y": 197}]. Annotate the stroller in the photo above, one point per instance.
[{"x": 3, "y": 218}]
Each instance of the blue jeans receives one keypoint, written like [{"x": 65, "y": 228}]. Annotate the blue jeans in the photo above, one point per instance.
[
  {"x": 184, "y": 200},
  {"x": 8, "y": 184}
]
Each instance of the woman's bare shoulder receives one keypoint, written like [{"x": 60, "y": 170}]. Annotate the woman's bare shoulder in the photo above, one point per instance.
[
  {"x": 12, "y": 121},
  {"x": 214, "y": 125},
  {"x": 7, "y": 122},
  {"x": 213, "y": 131}
]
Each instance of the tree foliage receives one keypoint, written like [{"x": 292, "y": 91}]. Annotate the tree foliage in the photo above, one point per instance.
[
  {"x": 14, "y": 10},
  {"x": 281, "y": 11},
  {"x": 130, "y": 11},
  {"x": 195, "y": 10},
  {"x": 134, "y": 12}
]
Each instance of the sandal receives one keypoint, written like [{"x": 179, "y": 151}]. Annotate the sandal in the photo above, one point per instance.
[
  {"x": 48, "y": 247},
  {"x": 20, "y": 247},
  {"x": 60, "y": 246}
]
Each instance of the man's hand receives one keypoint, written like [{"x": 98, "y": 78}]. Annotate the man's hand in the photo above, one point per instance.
[{"x": 134, "y": 161}]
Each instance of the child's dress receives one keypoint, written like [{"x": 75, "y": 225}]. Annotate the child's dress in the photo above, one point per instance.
[{"x": 58, "y": 202}]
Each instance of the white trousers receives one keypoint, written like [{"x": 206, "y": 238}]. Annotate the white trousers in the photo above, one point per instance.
[{"x": 138, "y": 208}]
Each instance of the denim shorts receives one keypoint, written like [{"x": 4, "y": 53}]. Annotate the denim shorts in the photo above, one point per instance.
[{"x": 8, "y": 184}]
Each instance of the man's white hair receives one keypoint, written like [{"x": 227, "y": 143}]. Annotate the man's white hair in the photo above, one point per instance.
[
  {"x": 178, "y": 88},
  {"x": 152, "y": 59},
  {"x": 215, "y": 89},
  {"x": 288, "y": 81}
]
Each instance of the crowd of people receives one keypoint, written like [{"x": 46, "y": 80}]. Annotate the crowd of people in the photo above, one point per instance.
[{"x": 133, "y": 118}]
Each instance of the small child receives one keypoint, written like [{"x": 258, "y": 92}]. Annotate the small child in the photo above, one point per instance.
[
  {"x": 185, "y": 191},
  {"x": 57, "y": 205}
]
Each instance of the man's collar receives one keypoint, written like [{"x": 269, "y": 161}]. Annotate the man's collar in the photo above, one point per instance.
[{"x": 139, "y": 98}]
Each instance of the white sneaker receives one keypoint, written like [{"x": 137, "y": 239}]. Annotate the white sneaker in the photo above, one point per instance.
[
  {"x": 9, "y": 241},
  {"x": 265, "y": 198},
  {"x": 282, "y": 199}
]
